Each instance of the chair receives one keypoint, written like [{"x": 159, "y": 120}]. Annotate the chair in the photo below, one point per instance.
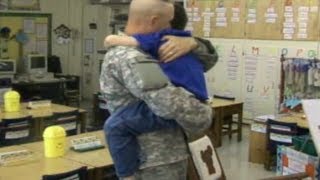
[
  {"x": 227, "y": 120},
  {"x": 68, "y": 120},
  {"x": 278, "y": 133},
  {"x": 78, "y": 174},
  {"x": 100, "y": 112},
  {"x": 16, "y": 131},
  {"x": 71, "y": 89}
]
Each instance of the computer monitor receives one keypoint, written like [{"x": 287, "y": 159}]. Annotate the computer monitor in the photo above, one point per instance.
[
  {"x": 7, "y": 66},
  {"x": 36, "y": 64}
]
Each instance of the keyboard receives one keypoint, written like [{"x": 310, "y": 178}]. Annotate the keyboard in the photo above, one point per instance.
[
  {"x": 86, "y": 144},
  {"x": 39, "y": 104}
]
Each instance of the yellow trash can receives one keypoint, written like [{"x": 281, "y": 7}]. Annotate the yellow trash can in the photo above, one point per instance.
[
  {"x": 11, "y": 101},
  {"x": 54, "y": 141}
]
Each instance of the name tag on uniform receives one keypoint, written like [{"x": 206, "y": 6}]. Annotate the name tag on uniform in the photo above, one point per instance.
[{"x": 205, "y": 159}]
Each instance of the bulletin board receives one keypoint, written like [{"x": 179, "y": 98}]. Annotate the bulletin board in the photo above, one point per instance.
[
  {"x": 264, "y": 19},
  {"x": 255, "y": 19},
  {"x": 301, "y": 20},
  {"x": 217, "y": 18},
  {"x": 38, "y": 30}
]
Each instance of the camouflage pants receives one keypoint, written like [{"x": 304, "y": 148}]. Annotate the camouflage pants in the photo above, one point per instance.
[{"x": 174, "y": 171}]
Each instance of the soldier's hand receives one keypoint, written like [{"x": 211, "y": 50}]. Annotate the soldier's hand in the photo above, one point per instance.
[{"x": 175, "y": 47}]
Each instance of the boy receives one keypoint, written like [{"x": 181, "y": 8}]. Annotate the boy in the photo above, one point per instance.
[{"x": 126, "y": 123}]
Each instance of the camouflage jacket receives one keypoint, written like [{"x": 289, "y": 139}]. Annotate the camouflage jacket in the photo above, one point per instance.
[{"x": 121, "y": 83}]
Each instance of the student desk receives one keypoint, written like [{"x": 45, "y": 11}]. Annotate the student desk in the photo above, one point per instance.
[
  {"x": 258, "y": 137},
  {"x": 39, "y": 115},
  {"x": 221, "y": 109},
  {"x": 98, "y": 159},
  {"x": 298, "y": 118},
  {"x": 37, "y": 166}
]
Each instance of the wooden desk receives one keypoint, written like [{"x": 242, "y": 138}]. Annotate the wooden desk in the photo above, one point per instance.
[
  {"x": 38, "y": 166},
  {"x": 221, "y": 109},
  {"x": 298, "y": 118},
  {"x": 258, "y": 137},
  {"x": 98, "y": 159},
  {"x": 39, "y": 115}
]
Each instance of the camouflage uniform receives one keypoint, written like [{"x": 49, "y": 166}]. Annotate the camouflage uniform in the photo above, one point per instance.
[{"x": 164, "y": 152}]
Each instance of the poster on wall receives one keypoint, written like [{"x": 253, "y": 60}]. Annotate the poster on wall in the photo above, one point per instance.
[{"x": 24, "y": 4}]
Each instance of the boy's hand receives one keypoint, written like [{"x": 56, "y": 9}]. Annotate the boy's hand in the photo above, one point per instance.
[
  {"x": 109, "y": 40},
  {"x": 114, "y": 40},
  {"x": 176, "y": 47}
]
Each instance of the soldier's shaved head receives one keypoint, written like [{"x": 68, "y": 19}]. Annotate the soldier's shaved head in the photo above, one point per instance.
[{"x": 147, "y": 16}]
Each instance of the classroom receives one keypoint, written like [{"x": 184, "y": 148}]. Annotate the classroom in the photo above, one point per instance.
[{"x": 76, "y": 76}]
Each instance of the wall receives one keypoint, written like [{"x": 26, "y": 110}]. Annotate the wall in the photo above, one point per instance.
[
  {"x": 77, "y": 14},
  {"x": 250, "y": 71}
]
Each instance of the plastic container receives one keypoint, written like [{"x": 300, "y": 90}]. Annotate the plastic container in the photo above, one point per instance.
[
  {"x": 54, "y": 141},
  {"x": 11, "y": 101},
  {"x": 304, "y": 144}
]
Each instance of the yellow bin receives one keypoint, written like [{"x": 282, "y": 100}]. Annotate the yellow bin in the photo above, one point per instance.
[
  {"x": 54, "y": 141},
  {"x": 11, "y": 101}
]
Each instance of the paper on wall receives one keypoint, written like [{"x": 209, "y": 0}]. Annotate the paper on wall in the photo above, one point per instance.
[
  {"x": 28, "y": 26},
  {"x": 42, "y": 30}
]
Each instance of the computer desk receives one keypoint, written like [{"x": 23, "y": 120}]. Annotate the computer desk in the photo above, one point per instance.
[{"x": 52, "y": 89}]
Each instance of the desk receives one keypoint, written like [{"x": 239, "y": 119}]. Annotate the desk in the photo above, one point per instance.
[
  {"x": 39, "y": 115},
  {"x": 99, "y": 159},
  {"x": 52, "y": 89},
  {"x": 298, "y": 118},
  {"x": 221, "y": 109},
  {"x": 39, "y": 166},
  {"x": 258, "y": 137}
]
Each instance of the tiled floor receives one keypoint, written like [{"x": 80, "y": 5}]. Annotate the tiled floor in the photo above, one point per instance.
[
  {"x": 233, "y": 154},
  {"x": 234, "y": 157}
]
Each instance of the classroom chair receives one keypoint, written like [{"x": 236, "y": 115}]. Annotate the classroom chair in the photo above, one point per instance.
[
  {"x": 16, "y": 131},
  {"x": 68, "y": 120},
  {"x": 227, "y": 120},
  {"x": 78, "y": 174},
  {"x": 278, "y": 133},
  {"x": 71, "y": 89}
]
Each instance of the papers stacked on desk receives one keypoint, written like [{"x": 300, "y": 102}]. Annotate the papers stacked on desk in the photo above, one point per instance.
[
  {"x": 264, "y": 118},
  {"x": 15, "y": 157}
]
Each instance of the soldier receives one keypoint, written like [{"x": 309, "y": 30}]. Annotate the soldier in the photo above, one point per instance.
[{"x": 128, "y": 76}]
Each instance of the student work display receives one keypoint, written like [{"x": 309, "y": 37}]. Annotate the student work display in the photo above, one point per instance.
[
  {"x": 253, "y": 19},
  {"x": 29, "y": 33},
  {"x": 249, "y": 70}
]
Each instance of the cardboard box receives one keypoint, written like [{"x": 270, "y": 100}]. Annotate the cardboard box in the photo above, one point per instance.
[{"x": 257, "y": 143}]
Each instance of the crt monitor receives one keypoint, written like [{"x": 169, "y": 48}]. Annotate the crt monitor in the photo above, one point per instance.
[
  {"x": 36, "y": 63},
  {"x": 7, "y": 66}
]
